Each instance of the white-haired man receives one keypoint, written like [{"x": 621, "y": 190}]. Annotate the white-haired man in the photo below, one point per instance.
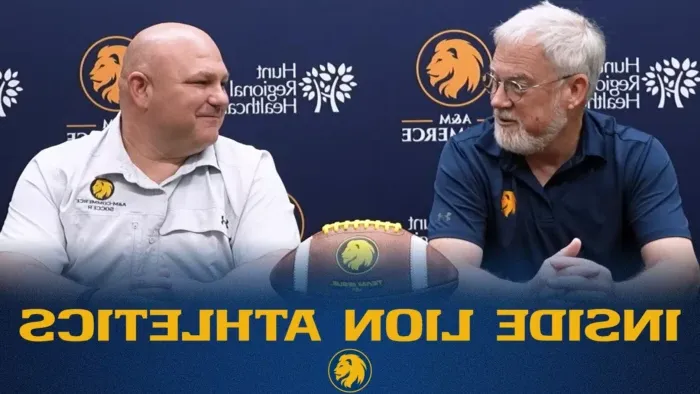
[{"x": 548, "y": 198}]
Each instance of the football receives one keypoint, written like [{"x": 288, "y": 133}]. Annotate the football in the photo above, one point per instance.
[{"x": 364, "y": 259}]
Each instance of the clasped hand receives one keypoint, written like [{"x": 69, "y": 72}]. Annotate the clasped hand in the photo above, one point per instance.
[
  {"x": 566, "y": 277},
  {"x": 156, "y": 289}
]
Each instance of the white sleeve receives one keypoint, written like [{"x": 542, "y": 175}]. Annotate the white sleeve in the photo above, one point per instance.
[
  {"x": 33, "y": 227},
  {"x": 267, "y": 223}
]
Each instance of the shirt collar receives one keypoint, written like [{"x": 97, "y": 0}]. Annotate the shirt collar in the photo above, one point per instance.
[
  {"x": 111, "y": 156},
  {"x": 591, "y": 143}
]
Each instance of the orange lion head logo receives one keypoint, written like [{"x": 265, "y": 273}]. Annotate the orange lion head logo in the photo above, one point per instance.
[
  {"x": 508, "y": 203},
  {"x": 455, "y": 65},
  {"x": 105, "y": 72},
  {"x": 350, "y": 370}
]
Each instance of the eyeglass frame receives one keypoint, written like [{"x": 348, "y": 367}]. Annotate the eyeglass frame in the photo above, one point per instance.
[{"x": 523, "y": 90}]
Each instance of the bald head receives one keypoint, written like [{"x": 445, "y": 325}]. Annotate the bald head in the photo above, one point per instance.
[
  {"x": 171, "y": 84},
  {"x": 155, "y": 48}
]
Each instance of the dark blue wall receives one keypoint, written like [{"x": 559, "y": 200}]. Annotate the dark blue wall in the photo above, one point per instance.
[{"x": 354, "y": 163}]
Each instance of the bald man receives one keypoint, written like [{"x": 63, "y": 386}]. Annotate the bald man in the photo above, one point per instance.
[{"x": 158, "y": 204}]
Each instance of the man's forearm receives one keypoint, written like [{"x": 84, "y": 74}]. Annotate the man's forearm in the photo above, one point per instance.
[
  {"x": 249, "y": 281},
  {"x": 664, "y": 281},
  {"x": 29, "y": 281},
  {"x": 474, "y": 281}
]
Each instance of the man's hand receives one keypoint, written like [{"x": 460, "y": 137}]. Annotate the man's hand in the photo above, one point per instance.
[
  {"x": 138, "y": 292},
  {"x": 249, "y": 282},
  {"x": 538, "y": 286},
  {"x": 579, "y": 279}
]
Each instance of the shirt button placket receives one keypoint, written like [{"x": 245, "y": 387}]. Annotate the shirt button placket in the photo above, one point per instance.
[
  {"x": 154, "y": 237},
  {"x": 138, "y": 257}
]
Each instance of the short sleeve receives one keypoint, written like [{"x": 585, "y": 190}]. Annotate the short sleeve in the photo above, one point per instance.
[
  {"x": 654, "y": 205},
  {"x": 267, "y": 223},
  {"x": 33, "y": 226},
  {"x": 459, "y": 208}
]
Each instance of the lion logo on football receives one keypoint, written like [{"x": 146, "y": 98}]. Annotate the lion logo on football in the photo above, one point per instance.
[
  {"x": 351, "y": 370},
  {"x": 100, "y": 69},
  {"x": 456, "y": 61},
  {"x": 357, "y": 255}
]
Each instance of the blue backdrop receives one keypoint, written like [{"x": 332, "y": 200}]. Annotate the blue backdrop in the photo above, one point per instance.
[
  {"x": 375, "y": 157},
  {"x": 370, "y": 153}
]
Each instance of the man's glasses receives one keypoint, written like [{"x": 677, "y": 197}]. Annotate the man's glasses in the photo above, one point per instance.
[{"x": 514, "y": 90}]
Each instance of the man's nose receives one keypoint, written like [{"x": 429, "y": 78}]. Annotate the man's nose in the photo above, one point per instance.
[
  {"x": 499, "y": 98},
  {"x": 219, "y": 98}
]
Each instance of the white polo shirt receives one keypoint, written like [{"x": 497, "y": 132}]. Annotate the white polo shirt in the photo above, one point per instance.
[{"x": 85, "y": 211}]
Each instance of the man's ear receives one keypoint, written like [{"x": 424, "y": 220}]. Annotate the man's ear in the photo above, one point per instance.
[
  {"x": 140, "y": 88},
  {"x": 578, "y": 90}
]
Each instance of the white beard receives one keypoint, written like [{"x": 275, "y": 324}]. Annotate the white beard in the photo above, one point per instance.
[{"x": 515, "y": 139}]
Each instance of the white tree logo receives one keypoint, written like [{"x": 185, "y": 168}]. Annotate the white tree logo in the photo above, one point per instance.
[
  {"x": 672, "y": 79},
  {"x": 330, "y": 84},
  {"x": 9, "y": 89}
]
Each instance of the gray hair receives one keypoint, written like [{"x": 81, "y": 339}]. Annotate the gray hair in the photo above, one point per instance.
[{"x": 571, "y": 42}]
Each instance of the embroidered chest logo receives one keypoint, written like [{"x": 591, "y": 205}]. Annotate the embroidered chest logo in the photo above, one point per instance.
[
  {"x": 508, "y": 203},
  {"x": 101, "y": 190}
]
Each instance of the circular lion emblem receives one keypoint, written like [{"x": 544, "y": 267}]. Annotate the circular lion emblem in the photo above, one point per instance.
[
  {"x": 350, "y": 370},
  {"x": 450, "y": 68},
  {"x": 357, "y": 255},
  {"x": 101, "y": 188},
  {"x": 100, "y": 69}
]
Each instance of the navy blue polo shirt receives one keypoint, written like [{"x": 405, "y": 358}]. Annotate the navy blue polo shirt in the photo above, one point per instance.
[{"x": 618, "y": 192}]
